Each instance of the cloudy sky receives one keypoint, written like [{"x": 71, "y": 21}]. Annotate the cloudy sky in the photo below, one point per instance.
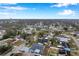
[{"x": 39, "y": 10}]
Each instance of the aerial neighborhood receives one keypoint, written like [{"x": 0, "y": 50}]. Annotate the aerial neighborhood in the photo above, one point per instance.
[{"x": 41, "y": 38}]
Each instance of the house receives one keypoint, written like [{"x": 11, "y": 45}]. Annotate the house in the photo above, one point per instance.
[
  {"x": 76, "y": 33},
  {"x": 2, "y": 32},
  {"x": 24, "y": 49},
  {"x": 63, "y": 38},
  {"x": 65, "y": 49},
  {"x": 43, "y": 40},
  {"x": 27, "y": 30},
  {"x": 18, "y": 37},
  {"x": 35, "y": 38},
  {"x": 37, "y": 48}
]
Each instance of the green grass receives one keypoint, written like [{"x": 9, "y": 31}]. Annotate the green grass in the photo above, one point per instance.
[
  {"x": 18, "y": 43},
  {"x": 72, "y": 44}
]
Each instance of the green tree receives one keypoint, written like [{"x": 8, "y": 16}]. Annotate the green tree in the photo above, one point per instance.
[
  {"x": 4, "y": 48},
  {"x": 65, "y": 28}
]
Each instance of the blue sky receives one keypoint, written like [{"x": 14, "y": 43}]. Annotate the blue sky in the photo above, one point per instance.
[{"x": 39, "y": 10}]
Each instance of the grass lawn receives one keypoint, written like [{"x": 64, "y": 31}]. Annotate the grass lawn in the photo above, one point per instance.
[
  {"x": 75, "y": 53},
  {"x": 72, "y": 44},
  {"x": 17, "y": 43},
  {"x": 53, "y": 52}
]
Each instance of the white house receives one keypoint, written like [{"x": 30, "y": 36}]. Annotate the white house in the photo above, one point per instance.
[
  {"x": 2, "y": 32},
  {"x": 62, "y": 38}
]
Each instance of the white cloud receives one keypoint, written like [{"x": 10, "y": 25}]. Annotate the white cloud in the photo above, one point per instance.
[
  {"x": 7, "y": 15},
  {"x": 4, "y": 13},
  {"x": 11, "y": 3},
  {"x": 7, "y": 4},
  {"x": 63, "y": 4},
  {"x": 9, "y": 7},
  {"x": 67, "y": 12},
  {"x": 14, "y": 8}
]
